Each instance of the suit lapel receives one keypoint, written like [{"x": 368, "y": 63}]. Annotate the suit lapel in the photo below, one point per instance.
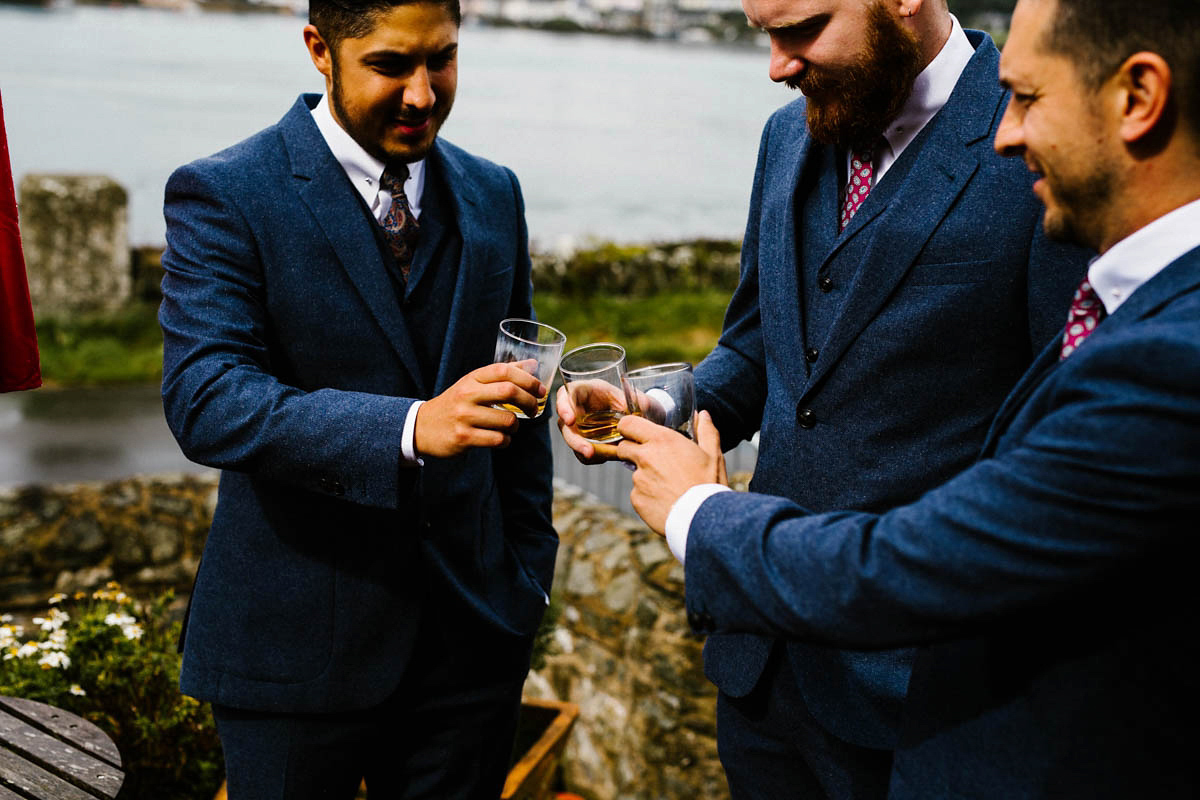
[
  {"x": 324, "y": 188},
  {"x": 778, "y": 243},
  {"x": 899, "y": 222},
  {"x": 463, "y": 196},
  {"x": 1038, "y": 371},
  {"x": 1178, "y": 277}
]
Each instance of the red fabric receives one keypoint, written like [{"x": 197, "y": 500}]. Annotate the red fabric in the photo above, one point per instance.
[
  {"x": 1086, "y": 313},
  {"x": 862, "y": 173},
  {"x": 19, "y": 364}
]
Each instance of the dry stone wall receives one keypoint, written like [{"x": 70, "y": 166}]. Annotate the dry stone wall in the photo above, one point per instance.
[{"x": 621, "y": 650}]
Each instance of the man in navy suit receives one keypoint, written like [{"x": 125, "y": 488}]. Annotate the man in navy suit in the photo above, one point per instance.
[
  {"x": 1052, "y": 582},
  {"x": 381, "y": 550},
  {"x": 869, "y": 342}
]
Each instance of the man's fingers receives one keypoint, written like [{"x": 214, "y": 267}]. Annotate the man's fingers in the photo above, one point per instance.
[
  {"x": 513, "y": 373},
  {"x": 707, "y": 435},
  {"x": 566, "y": 411},
  {"x": 637, "y": 429}
]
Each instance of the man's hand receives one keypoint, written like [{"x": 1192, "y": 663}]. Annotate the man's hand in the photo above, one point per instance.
[
  {"x": 462, "y": 416},
  {"x": 668, "y": 464},
  {"x": 586, "y": 451}
]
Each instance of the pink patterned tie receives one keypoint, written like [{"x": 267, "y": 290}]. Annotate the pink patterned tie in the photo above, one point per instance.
[
  {"x": 862, "y": 171},
  {"x": 400, "y": 225},
  {"x": 1086, "y": 313}
]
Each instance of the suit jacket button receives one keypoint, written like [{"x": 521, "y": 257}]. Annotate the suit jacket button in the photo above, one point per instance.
[
  {"x": 806, "y": 418},
  {"x": 811, "y": 354},
  {"x": 825, "y": 284}
]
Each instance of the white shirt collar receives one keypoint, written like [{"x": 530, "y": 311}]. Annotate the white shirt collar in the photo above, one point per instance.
[
  {"x": 931, "y": 90},
  {"x": 1141, "y": 255},
  {"x": 363, "y": 169}
]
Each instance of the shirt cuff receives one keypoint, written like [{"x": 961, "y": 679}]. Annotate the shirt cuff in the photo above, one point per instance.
[
  {"x": 663, "y": 398},
  {"x": 679, "y": 520},
  {"x": 408, "y": 445}
]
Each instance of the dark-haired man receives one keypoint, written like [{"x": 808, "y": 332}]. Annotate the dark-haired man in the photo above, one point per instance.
[
  {"x": 895, "y": 285},
  {"x": 1052, "y": 582},
  {"x": 381, "y": 549}
]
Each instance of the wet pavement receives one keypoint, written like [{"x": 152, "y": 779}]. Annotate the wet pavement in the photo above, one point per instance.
[{"x": 77, "y": 435}]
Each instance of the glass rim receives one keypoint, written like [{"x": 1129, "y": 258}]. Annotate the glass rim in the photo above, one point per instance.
[
  {"x": 593, "y": 346},
  {"x": 667, "y": 368},
  {"x": 562, "y": 337}
]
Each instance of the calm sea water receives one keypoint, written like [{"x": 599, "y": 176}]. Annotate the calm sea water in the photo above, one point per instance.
[{"x": 611, "y": 138}]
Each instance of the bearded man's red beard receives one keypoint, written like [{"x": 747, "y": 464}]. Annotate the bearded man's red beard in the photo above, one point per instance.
[{"x": 851, "y": 106}]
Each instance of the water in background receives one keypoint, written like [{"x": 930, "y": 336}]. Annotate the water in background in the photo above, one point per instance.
[{"x": 612, "y": 138}]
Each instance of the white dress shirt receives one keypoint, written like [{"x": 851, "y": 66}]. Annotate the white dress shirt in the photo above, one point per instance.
[
  {"x": 364, "y": 172},
  {"x": 930, "y": 91},
  {"x": 1141, "y": 255}
]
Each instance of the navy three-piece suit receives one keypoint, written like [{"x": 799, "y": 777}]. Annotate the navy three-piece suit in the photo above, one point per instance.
[
  {"x": 292, "y": 356},
  {"x": 872, "y": 361},
  {"x": 1052, "y": 582}
]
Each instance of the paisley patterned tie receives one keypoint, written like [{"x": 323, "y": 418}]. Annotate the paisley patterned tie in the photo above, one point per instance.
[
  {"x": 862, "y": 171},
  {"x": 1086, "y": 313},
  {"x": 400, "y": 225}
]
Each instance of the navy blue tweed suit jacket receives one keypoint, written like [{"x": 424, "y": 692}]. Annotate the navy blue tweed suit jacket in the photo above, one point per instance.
[
  {"x": 289, "y": 363},
  {"x": 955, "y": 290},
  {"x": 1051, "y": 583}
]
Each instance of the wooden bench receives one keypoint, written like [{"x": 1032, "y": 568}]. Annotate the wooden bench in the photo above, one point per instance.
[{"x": 50, "y": 754}]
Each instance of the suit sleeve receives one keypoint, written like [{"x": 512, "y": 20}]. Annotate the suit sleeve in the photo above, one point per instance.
[
  {"x": 524, "y": 469},
  {"x": 731, "y": 381},
  {"x": 1101, "y": 482},
  {"x": 222, "y": 396}
]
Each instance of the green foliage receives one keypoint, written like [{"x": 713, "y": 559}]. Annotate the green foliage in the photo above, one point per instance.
[
  {"x": 102, "y": 348},
  {"x": 671, "y": 326},
  {"x": 608, "y": 269},
  {"x": 113, "y": 660}
]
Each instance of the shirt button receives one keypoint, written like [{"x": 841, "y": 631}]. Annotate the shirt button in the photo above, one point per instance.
[
  {"x": 806, "y": 418},
  {"x": 825, "y": 284},
  {"x": 811, "y": 354}
]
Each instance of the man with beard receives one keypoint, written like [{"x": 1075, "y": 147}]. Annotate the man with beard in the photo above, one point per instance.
[
  {"x": 1053, "y": 581},
  {"x": 332, "y": 294},
  {"x": 895, "y": 285}
]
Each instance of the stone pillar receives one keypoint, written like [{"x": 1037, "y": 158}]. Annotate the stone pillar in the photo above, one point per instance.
[{"x": 75, "y": 231}]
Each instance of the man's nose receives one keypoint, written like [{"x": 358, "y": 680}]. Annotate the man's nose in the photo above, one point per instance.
[
  {"x": 785, "y": 63},
  {"x": 1009, "y": 140},
  {"x": 418, "y": 92}
]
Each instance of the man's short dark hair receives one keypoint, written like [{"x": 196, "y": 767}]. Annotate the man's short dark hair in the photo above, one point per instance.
[
  {"x": 336, "y": 20},
  {"x": 1098, "y": 35}
]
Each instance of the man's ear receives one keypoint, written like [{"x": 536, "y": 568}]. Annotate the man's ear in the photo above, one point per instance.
[
  {"x": 319, "y": 51},
  {"x": 1143, "y": 84}
]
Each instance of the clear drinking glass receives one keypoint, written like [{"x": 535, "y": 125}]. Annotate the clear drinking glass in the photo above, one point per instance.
[
  {"x": 594, "y": 376},
  {"x": 666, "y": 394},
  {"x": 526, "y": 340}
]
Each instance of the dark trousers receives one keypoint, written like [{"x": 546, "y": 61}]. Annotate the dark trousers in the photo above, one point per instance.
[
  {"x": 773, "y": 749},
  {"x": 446, "y": 733}
]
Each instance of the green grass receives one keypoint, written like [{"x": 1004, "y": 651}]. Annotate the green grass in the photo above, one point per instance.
[
  {"x": 681, "y": 326},
  {"x": 125, "y": 347},
  {"x": 101, "y": 349}
]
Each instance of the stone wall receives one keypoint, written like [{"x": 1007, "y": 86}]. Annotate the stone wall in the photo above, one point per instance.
[
  {"x": 75, "y": 233},
  {"x": 622, "y": 649},
  {"x": 146, "y": 533}
]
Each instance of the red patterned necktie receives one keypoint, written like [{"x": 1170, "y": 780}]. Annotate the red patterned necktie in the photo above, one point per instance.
[
  {"x": 1086, "y": 313},
  {"x": 399, "y": 224},
  {"x": 862, "y": 171}
]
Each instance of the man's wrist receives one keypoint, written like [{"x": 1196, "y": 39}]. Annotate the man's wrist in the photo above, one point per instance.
[
  {"x": 679, "y": 518},
  {"x": 409, "y": 457}
]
